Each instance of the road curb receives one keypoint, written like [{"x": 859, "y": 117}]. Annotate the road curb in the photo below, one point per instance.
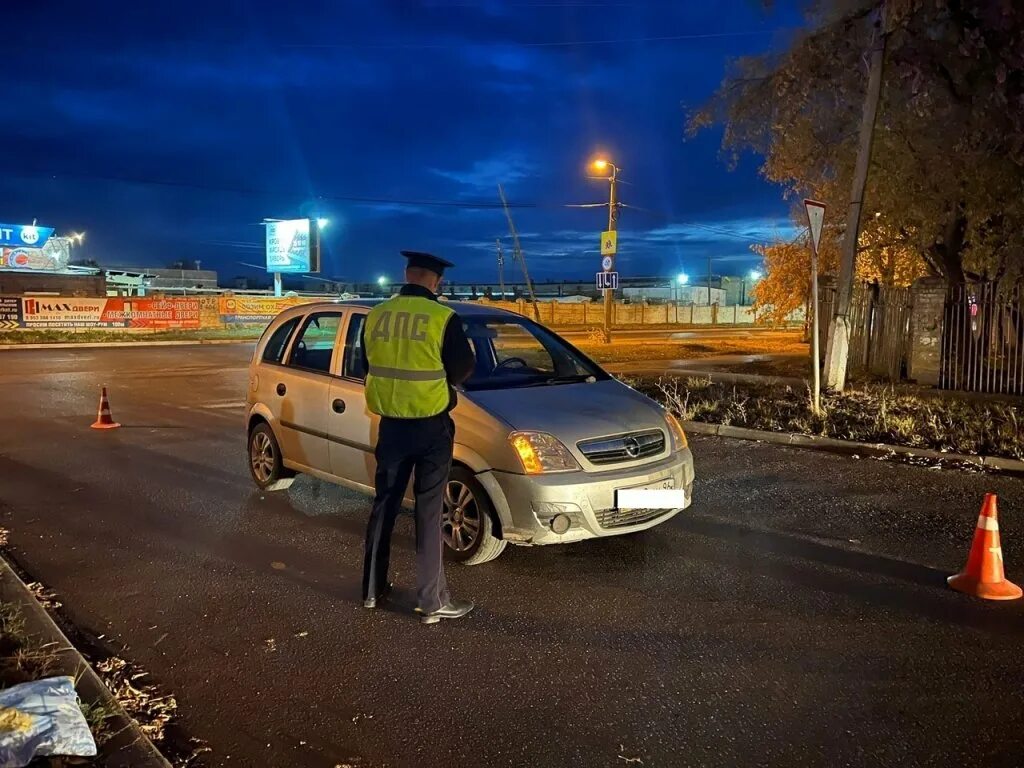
[
  {"x": 848, "y": 447},
  {"x": 109, "y": 344},
  {"x": 129, "y": 747}
]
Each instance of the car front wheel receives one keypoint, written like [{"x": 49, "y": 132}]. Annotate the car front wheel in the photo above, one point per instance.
[
  {"x": 265, "y": 464},
  {"x": 467, "y": 523}
]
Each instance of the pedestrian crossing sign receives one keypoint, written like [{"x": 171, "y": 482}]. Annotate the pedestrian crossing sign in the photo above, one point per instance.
[{"x": 609, "y": 243}]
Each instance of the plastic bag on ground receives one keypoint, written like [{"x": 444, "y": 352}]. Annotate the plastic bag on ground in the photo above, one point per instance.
[{"x": 42, "y": 718}]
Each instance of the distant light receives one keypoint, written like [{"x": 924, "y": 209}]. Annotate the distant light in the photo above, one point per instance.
[
  {"x": 78, "y": 237},
  {"x": 382, "y": 281},
  {"x": 683, "y": 278},
  {"x": 755, "y": 275},
  {"x": 322, "y": 223}
]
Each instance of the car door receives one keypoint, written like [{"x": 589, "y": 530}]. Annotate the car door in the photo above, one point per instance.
[
  {"x": 353, "y": 429},
  {"x": 301, "y": 386}
]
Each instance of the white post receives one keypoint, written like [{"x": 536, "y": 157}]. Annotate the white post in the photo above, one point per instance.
[
  {"x": 277, "y": 284},
  {"x": 814, "y": 330}
]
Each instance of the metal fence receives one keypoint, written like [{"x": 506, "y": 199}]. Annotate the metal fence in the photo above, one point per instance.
[
  {"x": 983, "y": 339},
  {"x": 879, "y": 328}
]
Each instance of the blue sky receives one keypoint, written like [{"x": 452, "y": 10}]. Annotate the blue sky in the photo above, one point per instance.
[{"x": 169, "y": 134}]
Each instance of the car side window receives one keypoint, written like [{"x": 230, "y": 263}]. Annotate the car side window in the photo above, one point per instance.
[
  {"x": 314, "y": 345},
  {"x": 355, "y": 357},
  {"x": 274, "y": 351}
]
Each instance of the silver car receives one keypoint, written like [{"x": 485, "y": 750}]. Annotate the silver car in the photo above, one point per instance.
[{"x": 545, "y": 441}]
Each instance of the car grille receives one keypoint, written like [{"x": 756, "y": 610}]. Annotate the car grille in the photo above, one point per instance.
[
  {"x": 618, "y": 518},
  {"x": 628, "y": 447}
]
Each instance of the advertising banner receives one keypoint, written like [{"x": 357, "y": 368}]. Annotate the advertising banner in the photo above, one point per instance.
[
  {"x": 10, "y": 313},
  {"x": 290, "y": 247},
  {"x": 24, "y": 235},
  {"x": 254, "y": 310},
  {"x": 69, "y": 313}
]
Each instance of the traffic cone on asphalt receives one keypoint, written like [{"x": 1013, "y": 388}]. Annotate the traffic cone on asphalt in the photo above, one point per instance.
[
  {"x": 983, "y": 575},
  {"x": 103, "y": 419}
]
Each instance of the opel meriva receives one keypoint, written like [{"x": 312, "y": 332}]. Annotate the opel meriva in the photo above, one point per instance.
[{"x": 548, "y": 447}]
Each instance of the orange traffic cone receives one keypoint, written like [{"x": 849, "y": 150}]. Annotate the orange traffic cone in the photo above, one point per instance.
[
  {"x": 103, "y": 419},
  {"x": 983, "y": 575}
]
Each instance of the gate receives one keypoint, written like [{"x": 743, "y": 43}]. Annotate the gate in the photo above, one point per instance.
[
  {"x": 983, "y": 339},
  {"x": 879, "y": 328}
]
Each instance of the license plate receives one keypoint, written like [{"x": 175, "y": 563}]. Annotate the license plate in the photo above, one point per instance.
[{"x": 656, "y": 496}]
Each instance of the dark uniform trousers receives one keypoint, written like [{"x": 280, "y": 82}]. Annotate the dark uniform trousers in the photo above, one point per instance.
[{"x": 421, "y": 448}]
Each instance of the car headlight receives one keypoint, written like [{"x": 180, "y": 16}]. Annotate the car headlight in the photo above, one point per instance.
[
  {"x": 676, "y": 430},
  {"x": 540, "y": 452}
]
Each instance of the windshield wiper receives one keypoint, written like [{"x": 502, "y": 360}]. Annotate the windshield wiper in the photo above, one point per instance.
[{"x": 574, "y": 379}]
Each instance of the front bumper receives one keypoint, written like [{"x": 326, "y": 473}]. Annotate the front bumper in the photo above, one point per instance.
[{"x": 527, "y": 504}]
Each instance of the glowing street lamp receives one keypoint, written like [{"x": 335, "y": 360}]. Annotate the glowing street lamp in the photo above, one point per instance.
[
  {"x": 322, "y": 223},
  {"x": 683, "y": 278},
  {"x": 755, "y": 275},
  {"x": 382, "y": 281},
  {"x": 603, "y": 165}
]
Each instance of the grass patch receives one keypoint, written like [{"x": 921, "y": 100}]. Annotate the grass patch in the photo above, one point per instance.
[
  {"x": 870, "y": 413},
  {"x": 633, "y": 350}
]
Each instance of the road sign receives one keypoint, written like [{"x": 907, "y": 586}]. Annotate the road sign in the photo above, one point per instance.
[
  {"x": 607, "y": 280},
  {"x": 606, "y": 263},
  {"x": 22, "y": 235},
  {"x": 609, "y": 243},
  {"x": 815, "y": 218}
]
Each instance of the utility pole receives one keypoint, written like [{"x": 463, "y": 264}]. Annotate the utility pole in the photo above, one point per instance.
[
  {"x": 517, "y": 253},
  {"x": 709, "y": 281},
  {"x": 613, "y": 218},
  {"x": 501, "y": 270},
  {"x": 838, "y": 350}
]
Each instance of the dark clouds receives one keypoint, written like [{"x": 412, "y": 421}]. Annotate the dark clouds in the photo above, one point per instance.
[{"x": 248, "y": 109}]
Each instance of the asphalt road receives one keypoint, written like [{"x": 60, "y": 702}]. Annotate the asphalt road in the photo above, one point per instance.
[{"x": 796, "y": 615}]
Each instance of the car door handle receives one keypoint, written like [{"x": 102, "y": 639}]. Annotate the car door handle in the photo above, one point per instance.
[
  {"x": 338, "y": 406},
  {"x": 281, "y": 389}
]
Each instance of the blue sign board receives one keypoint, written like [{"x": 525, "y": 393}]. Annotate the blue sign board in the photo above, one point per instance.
[
  {"x": 608, "y": 281},
  {"x": 291, "y": 248},
  {"x": 24, "y": 235}
]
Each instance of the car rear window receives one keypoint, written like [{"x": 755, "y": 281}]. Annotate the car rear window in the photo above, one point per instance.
[
  {"x": 314, "y": 346},
  {"x": 274, "y": 351}
]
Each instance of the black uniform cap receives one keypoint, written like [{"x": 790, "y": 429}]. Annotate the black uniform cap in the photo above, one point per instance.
[{"x": 427, "y": 261}]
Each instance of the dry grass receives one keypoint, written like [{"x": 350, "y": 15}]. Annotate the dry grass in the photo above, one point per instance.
[
  {"x": 871, "y": 414},
  {"x": 630, "y": 350}
]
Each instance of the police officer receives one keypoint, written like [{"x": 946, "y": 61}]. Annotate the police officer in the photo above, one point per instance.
[{"x": 416, "y": 351}]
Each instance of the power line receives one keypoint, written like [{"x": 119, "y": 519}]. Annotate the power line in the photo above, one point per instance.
[
  {"x": 253, "y": 192},
  {"x": 545, "y": 43},
  {"x": 697, "y": 225},
  {"x": 365, "y": 200}
]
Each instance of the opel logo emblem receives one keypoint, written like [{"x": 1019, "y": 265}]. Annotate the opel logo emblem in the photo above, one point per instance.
[{"x": 632, "y": 447}]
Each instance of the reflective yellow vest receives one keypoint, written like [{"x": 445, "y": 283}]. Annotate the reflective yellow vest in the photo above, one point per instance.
[{"x": 406, "y": 377}]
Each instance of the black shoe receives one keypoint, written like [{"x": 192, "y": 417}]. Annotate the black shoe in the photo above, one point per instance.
[
  {"x": 453, "y": 609},
  {"x": 371, "y": 602}
]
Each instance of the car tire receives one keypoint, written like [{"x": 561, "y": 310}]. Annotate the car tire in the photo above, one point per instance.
[
  {"x": 265, "y": 461},
  {"x": 461, "y": 512}
]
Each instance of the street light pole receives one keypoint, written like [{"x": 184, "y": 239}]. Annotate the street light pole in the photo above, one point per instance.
[{"x": 613, "y": 217}]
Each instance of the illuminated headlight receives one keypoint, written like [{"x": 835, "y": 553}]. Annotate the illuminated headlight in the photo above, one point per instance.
[
  {"x": 676, "y": 430},
  {"x": 540, "y": 452}
]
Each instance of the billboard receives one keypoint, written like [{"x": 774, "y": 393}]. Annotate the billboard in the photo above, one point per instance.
[
  {"x": 254, "y": 310},
  {"x": 70, "y": 313},
  {"x": 24, "y": 235},
  {"x": 292, "y": 246}
]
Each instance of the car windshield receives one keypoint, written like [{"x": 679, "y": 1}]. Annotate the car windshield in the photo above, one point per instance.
[{"x": 515, "y": 352}]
